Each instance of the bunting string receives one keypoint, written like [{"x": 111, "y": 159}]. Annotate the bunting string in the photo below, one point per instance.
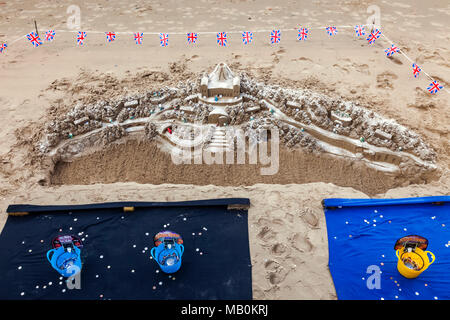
[
  {"x": 414, "y": 65},
  {"x": 275, "y": 36}
]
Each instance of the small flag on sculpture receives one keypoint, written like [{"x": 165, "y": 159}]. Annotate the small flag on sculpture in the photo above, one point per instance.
[
  {"x": 302, "y": 34},
  {"x": 391, "y": 50},
  {"x": 222, "y": 39},
  {"x": 331, "y": 31},
  {"x": 247, "y": 37},
  {"x": 80, "y": 38},
  {"x": 33, "y": 37},
  {"x": 434, "y": 87},
  {"x": 192, "y": 37},
  {"x": 164, "y": 39},
  {"x": 138, "y": 36},
  {"x": 275, "y": 36},
  {"x": 374, "y": 35},
  {"x": 416, "y": 70},
  {"x": 3, "y": 47},
  {"x": 50, "y": 35},
  {"x": 110, "y": 36},
  {"x": 360, "y": 31}
]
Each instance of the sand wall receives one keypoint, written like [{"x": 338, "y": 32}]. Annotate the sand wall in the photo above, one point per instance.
[{"x": 136, "y": 160}]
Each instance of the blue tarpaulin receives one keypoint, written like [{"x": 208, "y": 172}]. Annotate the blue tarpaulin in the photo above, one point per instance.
[{"x": 361, "y": 238}]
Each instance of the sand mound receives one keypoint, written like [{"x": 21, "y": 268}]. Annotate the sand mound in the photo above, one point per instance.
[{"x": 132, "y": 137}]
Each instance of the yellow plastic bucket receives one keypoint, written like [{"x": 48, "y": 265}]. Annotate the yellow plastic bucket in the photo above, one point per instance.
[{"x": 411, "y": 264}]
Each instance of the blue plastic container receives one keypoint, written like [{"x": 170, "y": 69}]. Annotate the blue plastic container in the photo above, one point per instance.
[
  {"x": 168, "y": 256},
  {"x": 66, "y": 261}
]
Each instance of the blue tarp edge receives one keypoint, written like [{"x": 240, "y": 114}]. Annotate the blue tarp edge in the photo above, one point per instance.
[{"x": 331, "y": 203}]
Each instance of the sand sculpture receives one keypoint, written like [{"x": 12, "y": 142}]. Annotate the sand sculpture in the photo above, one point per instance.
[{"x": 221, "y": 100}]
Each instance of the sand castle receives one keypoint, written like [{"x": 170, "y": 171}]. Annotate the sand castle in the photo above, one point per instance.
[
  {"x": 220, "y": 82},
  {"x": 219, "y": 89},
  {"x": 222, "y": 101}
]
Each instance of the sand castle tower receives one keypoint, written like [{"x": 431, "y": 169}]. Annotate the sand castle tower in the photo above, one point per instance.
[
  {"x": 220, "y": 82},
  {"x": 220, "y": 88}
]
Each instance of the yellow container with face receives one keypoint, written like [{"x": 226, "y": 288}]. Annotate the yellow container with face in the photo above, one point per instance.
[{"x": 411, "y": 263}]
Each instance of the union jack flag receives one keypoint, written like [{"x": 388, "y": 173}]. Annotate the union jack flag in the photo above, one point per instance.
[
  {"x": 192, "y": 37},
  {"x": 81, "y": 37},
  {"x": 34, "y": 39},
  {"x": 247, "y": 37},
  {"x": 302, "y": 34},
  {"x": 164, "y": 39},
  {"x": 360, "y": 31},
  {"x": 3, "y": 47},
  {"x": 275, "y": 36},
  {"x": 374, "y": 35},
  {"x": 138, "y": 36},
  {"x": 50, "y": 35},
  {"x": 434, "y": 87},
  {"x": 110, "y": 36},
  {"x": 391, "y": 50},
  {"x": 416, "y": 70},
  {"x": 331, "y": 30},
  {"x": 222, "y": 39}
]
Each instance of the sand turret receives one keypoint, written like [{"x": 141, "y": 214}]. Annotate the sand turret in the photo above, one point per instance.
[{"x": 220, "y": 82}]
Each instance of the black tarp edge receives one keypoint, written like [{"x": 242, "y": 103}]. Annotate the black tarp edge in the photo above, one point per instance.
[{"x": 112, "y": 205}]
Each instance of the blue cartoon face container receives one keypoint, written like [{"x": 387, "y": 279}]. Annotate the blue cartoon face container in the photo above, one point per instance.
[
  {"x": 65, "y": 257},
  {"x": 168, "y": 251}
]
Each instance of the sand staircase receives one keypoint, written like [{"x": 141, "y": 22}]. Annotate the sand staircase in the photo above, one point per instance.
[{"x": 219, "y": 142}]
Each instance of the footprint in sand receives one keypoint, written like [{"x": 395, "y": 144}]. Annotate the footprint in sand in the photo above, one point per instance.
[
  {"x": 422, "y": 100},
  {"x": 266, "y": 234},
  {"x": 440, "y": 80},
  {"x": 262, "y": 222},
  {"x": 309, "y": 217},
  {"x": 341, "y": 67},
  {"x": 271, "y": 265},
  {"x": 362, "y": 68},
  {"x": 384, "y": 80},
  {"x": 302, "y": 59},
  {"x": 278, "y": 276},
  {"x": 301, "y": 243},
  {"x": 395, "y": 60},
  {"x": 279, "y": 222},
  {"x": 277, "y": 55},
  {"x": 421, "y": 92},
  {"x": 278, "y": 249}
]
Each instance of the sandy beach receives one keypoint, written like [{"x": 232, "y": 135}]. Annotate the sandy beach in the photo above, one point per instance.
[{"x": 287, "y": 230}]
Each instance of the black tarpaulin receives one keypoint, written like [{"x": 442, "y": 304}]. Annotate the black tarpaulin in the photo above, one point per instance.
[{"x": 116, "y": 251}]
